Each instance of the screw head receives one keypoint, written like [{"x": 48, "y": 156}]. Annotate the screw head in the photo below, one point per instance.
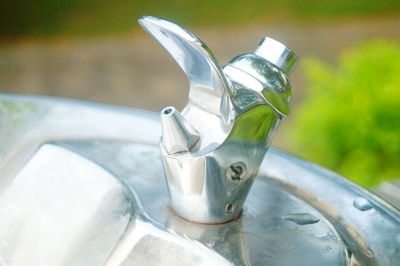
[
  {"x": 230, "y": 207},
  {"x": 237, "y": 171}
]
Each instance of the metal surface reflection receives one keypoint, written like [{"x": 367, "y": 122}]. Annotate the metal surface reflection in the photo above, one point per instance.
[
  {"x": 212, "y": 151},
  {"x": 114, "y": 210}
]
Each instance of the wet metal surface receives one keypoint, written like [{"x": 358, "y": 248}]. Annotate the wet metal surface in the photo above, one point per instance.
[{"x": 105, "y": 184}]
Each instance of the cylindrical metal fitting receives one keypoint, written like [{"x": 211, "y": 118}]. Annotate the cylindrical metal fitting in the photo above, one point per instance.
[{"x": 277, "y": 53}]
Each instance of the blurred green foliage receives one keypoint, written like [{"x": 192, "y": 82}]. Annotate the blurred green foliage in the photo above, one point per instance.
[
  {"x": 349, "y": 120},
  {"x": 82, "y": 17}
]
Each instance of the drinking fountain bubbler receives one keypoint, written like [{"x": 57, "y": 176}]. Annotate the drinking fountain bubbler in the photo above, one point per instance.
[
  {"x": 90, "y": 176},
  {"x": 212, "y": 150}
]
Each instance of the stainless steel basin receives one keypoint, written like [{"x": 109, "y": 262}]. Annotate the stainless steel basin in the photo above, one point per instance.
[{"x": 83, "y": 184}]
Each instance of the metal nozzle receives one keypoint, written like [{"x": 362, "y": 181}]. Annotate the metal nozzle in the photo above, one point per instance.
[{"x": 178, "y": 135}]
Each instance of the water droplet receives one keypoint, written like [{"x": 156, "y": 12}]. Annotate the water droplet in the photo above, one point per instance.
[
  {"x": 301, "y": 218},
  {"x": 362, "y": 204}
]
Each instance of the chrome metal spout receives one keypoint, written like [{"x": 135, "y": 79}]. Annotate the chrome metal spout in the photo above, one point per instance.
[{"x": 213, "y": 150}]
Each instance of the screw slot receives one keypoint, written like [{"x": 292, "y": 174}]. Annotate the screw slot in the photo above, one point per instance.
[
  {"x": 230, "y": 207},
  {"x": 237, "y": 171}
]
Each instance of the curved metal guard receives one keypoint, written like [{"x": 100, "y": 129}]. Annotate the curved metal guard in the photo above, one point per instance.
[{"x": 212, "y": 151}]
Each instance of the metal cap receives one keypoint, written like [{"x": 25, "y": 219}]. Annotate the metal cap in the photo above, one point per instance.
[{"x": 277, "y": 54}]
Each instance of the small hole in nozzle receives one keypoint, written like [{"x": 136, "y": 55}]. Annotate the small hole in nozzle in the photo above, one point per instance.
[{"x": 167, "y": 111}]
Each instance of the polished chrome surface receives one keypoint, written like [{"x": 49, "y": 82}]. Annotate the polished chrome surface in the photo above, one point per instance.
[
  {"x": 45, "y": 202},
  {"x": 277, "y": 54},
  {"x": 212, "y": 151},
  {"x": 206, "y": 78},
  {"x": 83, "y": 184},
  {"x": 178, "y": 135}
]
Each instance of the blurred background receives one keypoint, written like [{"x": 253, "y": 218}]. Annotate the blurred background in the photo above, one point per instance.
[{"x": 346, "y": 105}]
